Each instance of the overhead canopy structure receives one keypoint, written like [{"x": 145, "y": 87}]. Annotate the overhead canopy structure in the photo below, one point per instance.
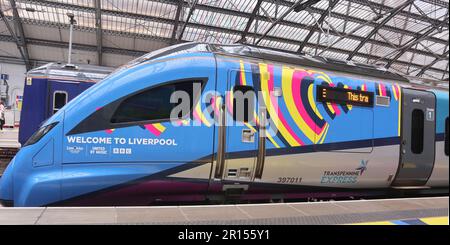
[{"x": 407, "y": 36}]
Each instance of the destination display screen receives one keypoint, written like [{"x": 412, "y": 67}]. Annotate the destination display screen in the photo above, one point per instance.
[{"x": 344, "y": 96}]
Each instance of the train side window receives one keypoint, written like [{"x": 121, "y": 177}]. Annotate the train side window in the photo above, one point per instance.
[
  {"x": 417, "y": 131},
  {"x": 243, "y": 103},
  {"x": 59, "y": 100},
  {"x": 152, "y": 104},
  {"x": 446, "y": 136}
]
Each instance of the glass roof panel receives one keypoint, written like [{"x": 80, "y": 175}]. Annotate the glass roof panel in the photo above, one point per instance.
[
  {"x": 222, "y": 21},
  {"x": 150, "y": 8},
  {"x": 288, "y": 32},
  {"x": 136, "y": 26},
  {"x": 85, "y": 3},
  {"x": 237, "y": 5},
  {"x": 54, "y": 15}
]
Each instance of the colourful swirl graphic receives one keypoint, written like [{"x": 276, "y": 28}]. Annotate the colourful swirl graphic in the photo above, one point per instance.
[
  {"x": 267, "y": 85},
  {"x": 156, "y": 129},
  {"x": 298, "y": 95}
]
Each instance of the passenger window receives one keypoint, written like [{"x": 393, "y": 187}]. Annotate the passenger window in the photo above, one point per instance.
[
  {"x": 59, "y": 100},
  {"x": 446, "y": 136},
  {"x": 153, "y": 104},
  {"x": 243, "y": 103},
  {"x": 417, "y": 131}
]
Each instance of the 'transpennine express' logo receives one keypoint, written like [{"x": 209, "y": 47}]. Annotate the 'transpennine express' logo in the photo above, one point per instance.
[
  {"x": 344, "y": 177},
  {"x": 362, "y": 166}
]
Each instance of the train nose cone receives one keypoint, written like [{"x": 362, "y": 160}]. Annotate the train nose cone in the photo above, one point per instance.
[{"x": 6, "y": 185}]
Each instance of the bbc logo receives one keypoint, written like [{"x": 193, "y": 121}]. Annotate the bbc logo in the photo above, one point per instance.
[{"x": 122, "y": 151}]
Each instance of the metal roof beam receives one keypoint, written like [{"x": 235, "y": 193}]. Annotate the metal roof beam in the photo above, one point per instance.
[
  {"x": 446, "y": 72},
  {"x": 250, "y": 20},
  {"x": 228, "y": 12},
  {"x": 136, "y": 53},
  {"x": 199, "y": 26},
  {"x": 354, "y": 30},
  {"x": 393, "y": 13},
  {"x": 195, "y": 25},
  {"x": 191, "y": 11},
  {"x": 21, "y": 34},
  {"x": 405, "y": 25},
  {"x": 19, "y": 61},
  {"x": 98, "y": 25},
  {"x": 297, "y": 7},
  {"x": 177, "y": 21},
  {"x": 92, "y": 30},
  {"x": 404, "y": 13},
  {"x": 16, "y": 40},
  {"x": 419, "y": 9},
  {"x": 77, "y": 46},
  {"x": 209, "y": 8},
  {"x": 437, "y": 3},
  {"x": 410, "y": 62},
  {"x": 361, "y": 21},
  {"x": 318, "y": 23},
  {"x": 406, "y": 47},
  {"x": 206, "y": 27},
  {"x": 425, "y": 68}
]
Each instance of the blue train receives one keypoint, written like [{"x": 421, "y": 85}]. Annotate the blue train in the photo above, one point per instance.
[
  {"x": 311, "y": 127},
  {"x": 48, "y": 88}
]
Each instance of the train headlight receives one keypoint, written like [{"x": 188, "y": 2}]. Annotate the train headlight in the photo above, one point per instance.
[{"x": 41, "y": 132}]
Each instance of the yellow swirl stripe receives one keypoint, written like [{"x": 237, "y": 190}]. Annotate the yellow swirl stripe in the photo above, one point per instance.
[
  {"x": 160, "y": 127},
  {"x": 201, "y": 117},
  {"x": 265, "y": 76},
  {"x": 287, "y": 76},
  {"x": 395, "y": 91},
  {"x": 242, "y": 73},
  {"x": 255, "y": 115},
  {"x": 330, "y": 107},
  {"x": 379, "y": 90},
  {"x": 312, "y": 102},
  {"x": 324, "y": 77},
  {"x": 273, "y": 141},
  {"x": 250, "y": 127},
  {"x": 323, "y": 135}
]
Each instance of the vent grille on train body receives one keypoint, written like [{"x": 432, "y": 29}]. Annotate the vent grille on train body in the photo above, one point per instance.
[{"x": 382, "y": 101}]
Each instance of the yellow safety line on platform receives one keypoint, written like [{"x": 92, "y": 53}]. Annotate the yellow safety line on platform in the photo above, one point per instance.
[
  {"x": 436, "y": 221},
  {"x": 428, "y": 221}
]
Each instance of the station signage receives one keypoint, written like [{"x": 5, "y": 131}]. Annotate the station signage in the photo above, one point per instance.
[{"x": 344, "y": 96}]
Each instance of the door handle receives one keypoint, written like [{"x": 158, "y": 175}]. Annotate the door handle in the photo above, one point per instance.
[
  {"x": 220, "y": 160},
  {"x": 248, "y": 136},
  {"x": 403, "y": 146},
  {"x": 261, "y": 144}
]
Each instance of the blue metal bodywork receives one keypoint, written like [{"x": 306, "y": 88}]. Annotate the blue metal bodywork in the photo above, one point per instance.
[{"x": 63, "y": 166}]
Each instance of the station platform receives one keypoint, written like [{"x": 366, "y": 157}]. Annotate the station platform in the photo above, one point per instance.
[
  {"x": 9, "y": 145},
  {"x": 376, "y": 212},
  {"x": 9, "y": 138}
]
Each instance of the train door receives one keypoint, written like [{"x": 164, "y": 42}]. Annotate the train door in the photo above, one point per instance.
[
  {"x": 417, "y": 151},
  {"x": 239, "y": 139},
  {"x": 59, "y": 93}
]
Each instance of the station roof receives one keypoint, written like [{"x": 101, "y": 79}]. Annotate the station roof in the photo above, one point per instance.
[{"x": 405, "y": 36}]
